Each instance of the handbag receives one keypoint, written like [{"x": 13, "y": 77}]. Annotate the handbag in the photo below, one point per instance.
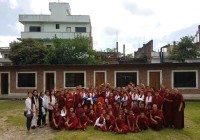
[{"x": 25, "y": 112}]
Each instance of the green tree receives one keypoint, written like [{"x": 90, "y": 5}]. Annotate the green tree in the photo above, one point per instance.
[
  {"x": 71, "y": 51},
  {"x": 185, "y": 49},
  {"x": 130, "y": 55},
  {"x": 28, "y": 51}
]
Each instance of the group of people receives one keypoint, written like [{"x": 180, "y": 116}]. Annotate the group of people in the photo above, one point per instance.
[{"x": 106, "y": 108}]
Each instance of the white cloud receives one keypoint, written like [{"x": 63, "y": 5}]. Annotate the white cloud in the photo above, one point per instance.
[
  {"x": 13, "y": 4},
  {"x": 5, "y": 40}
]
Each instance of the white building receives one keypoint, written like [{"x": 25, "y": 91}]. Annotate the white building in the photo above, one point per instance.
[
  {"x": 4, "y": 60},
  {"x": 59, "y": 23}
]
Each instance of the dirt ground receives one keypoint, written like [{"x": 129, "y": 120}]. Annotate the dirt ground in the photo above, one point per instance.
[{"x": 8, "y": 132}]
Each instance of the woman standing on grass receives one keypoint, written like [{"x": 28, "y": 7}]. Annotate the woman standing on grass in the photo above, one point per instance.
[
  {"x": 30, "y": 109},
  {"x": 36, "y": 105},
  {"x": 51, "y": 103}
]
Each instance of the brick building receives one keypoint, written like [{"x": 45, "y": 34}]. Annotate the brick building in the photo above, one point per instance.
[{"x": 18, "y": 80}]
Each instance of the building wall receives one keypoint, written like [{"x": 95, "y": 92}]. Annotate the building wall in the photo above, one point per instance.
[{"x": 142, "y": 69}]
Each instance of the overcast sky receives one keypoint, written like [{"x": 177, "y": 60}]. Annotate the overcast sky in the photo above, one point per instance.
[{"x": 130, "y": 22}]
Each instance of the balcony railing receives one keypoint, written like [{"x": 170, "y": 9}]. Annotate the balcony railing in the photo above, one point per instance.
[{"x": 49, "y": 35}]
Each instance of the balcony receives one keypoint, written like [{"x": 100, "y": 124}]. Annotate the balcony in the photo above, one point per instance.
[
  {"x": 50, "y": 35},
  {"x": 5, "y": 60},
  {"x": 49, "y": 18}
]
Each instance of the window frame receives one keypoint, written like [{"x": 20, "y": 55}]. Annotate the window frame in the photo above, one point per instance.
[
  {"x": 57, "y": 26},
  {"x": 68, "y": 28},
  {"x": 39, "y": 27},
  {"x": 84, "y": 73},
  {"x": 17, "y": 87},
  {"x": 81, "y": 31},
  {"x": 172, "y": 79},
  {"x": 115, "y": 76}
]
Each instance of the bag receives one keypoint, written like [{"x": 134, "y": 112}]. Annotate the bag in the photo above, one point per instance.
[{"x": 25, "y": 112}]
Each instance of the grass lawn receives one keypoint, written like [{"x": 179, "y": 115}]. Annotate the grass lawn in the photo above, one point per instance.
[{"x": 12, "y": 111}]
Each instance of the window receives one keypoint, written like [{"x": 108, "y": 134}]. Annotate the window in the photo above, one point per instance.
[
  {"x": 6, "y": 55},
  {"x": 57, "y": 26},
  {"x": 68, "y": 29},
  {"x": 184, "y": 79},
  {"x": 73, "y": 79},
  {"x": 124, "y": 78},
  {"x": 80, "y": 29},
  {"x": 35, "y": 29},
  {"x": 25, "y": 80}
]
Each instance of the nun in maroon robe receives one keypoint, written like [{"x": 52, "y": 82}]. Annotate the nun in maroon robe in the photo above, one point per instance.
[
  {"x": 168, "y": 108},
  {"x": 142, "y": 121},
  {"x": 120, "y": 126},
  {"x": 79, "y": 110},
  {"x": 72, "y": 122},
  {"x": 111, "y": 99},
  {"x": 57, "y": 121},
  {"x": 156, "y": 118},
  {"x": 158, "y": 100},
  {"x": 69, "y": 101},
  {"x": 178, "y": 110},
  {"x": 83, "y": 122},
  {"x": 109, "y": 123},
  {"x": 77, "y": 98},
  {"x": 61, "y": 99},
  {"x": 91, "y": 117},
  {"x": 131, "y": 119}
]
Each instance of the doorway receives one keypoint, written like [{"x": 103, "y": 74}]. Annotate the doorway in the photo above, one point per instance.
[
  {"x": 4, "y": 83},
  {"x": 49, "y": 80},
  {"x": 154, "y": 79},
  {"x": 99, "y": 78}
]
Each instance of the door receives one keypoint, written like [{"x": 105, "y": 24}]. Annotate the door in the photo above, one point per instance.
[
  {"x": 49, "y": 81},
  {"x": 154, "y": 80},
  {"x": 99, "y": 78},
  {"x": 4, "y": 83}
]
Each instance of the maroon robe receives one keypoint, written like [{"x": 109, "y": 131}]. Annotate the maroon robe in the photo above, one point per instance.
[
  {"x": 156, "y": 126},
  {"x": 168, "y": 110},
  {"x": 69, "y": 102},
  {"x": 178, "y": 117},
  {"x": 136, "y": 110},
  {"x": 142, "y": 122},
  {"x": 158, "y": 100},
  {"x": 91, "y": 119},
  {"x": 161, "y": 92},
  {"x": 56, "y": 119},
  {"x": 74, "y": 123},
  {"x": 109, "y": 125},
  {"x": 79, "y": 111},
  {"x": 120, "y": 126},
  {"x": 111, "y": 101},
  {"x": 83, "y": 120},
  {"x": 132, "y": 123},
  {"x": 77, "y": 99},
  {"x": 61, "y": 101}
]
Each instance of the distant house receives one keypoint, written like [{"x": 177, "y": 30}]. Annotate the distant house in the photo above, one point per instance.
[
  {"x": 60, "y": 23},
  {"x": 4, "y": 60},
  {"x": 162, "y": 56}
]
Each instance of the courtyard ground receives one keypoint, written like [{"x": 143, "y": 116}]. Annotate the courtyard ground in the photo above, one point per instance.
[{"x": 12, "y": 126}]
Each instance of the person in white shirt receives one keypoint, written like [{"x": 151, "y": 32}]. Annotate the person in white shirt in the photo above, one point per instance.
[
  {"x": 30, "y": 109},
  {"x": 100, "y": 123},
  {"x": 45, "y": 103},
  {"x": 51, "y": 103},
  {"x": 36, "y": 105},
  {"x": 148, "y": 100}
]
